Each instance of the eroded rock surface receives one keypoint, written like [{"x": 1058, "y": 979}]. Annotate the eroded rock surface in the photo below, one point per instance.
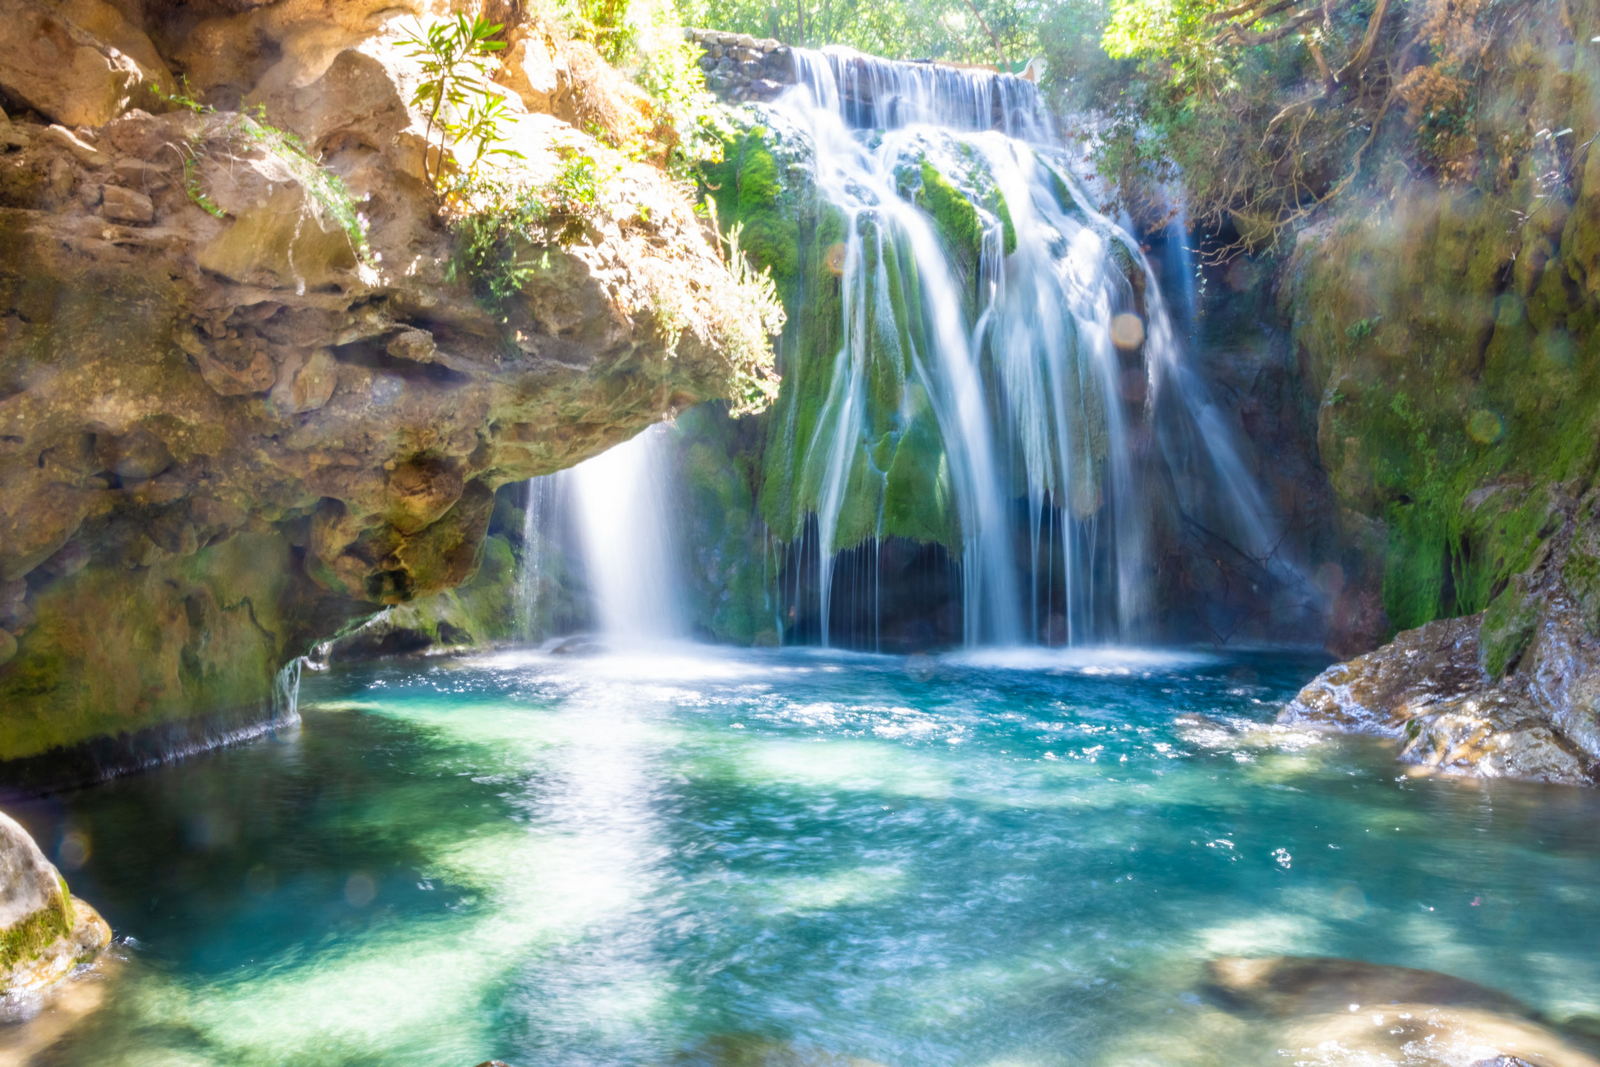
[{"x": 238, "y": 409}]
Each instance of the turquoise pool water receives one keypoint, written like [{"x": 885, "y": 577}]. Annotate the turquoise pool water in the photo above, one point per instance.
[{"x": 701, "y": 855}]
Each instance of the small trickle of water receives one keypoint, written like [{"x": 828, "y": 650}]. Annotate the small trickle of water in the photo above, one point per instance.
[{"x": 286, "y": 691}]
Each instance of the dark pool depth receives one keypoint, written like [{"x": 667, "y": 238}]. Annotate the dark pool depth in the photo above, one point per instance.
[{"x": 644, "y": 859}]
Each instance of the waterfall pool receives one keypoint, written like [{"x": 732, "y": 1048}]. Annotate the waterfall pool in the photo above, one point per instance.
[{"x": 703, "y": 856}]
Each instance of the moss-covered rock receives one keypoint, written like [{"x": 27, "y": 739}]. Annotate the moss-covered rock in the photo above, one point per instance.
[
  {"x": 729, "y": 569},
  {"x": 482, "y": 611},
  {"x": 1451, "y": 333},
  {"x": 896, "y": 476},
  {"x": 45, "y": 932},
  {"x": 187, "y": 641}
]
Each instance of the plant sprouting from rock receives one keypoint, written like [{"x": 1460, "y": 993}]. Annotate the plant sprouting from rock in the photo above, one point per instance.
[
  {"x": 461, "y": 104},
  {"x": 329, "y": 196}
]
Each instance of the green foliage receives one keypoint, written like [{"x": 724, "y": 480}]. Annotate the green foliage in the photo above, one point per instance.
[
  {"x": 609, "y": 24},
  {"x": 670, "y": 72},
  {"x": 495, "y": 250},
  {"x": 250, "y": 129},
  {"x": 1269, "y": 108},
  {"x": 505, "y": 228},
  {"x": 456, "y": 56},
  {"x": 1000, "y": 32}
]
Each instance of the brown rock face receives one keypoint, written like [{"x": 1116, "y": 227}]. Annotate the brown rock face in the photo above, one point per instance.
[
  {"x": 77, "y": 62},
  {"x": 205, "y": 343}
]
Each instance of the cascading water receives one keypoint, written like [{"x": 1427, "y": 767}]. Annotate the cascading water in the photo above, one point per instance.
[
  {"x": 621, "y": 535},
  {"x": 1022, "y": 358},
  {"x": 984, "y": 362}
]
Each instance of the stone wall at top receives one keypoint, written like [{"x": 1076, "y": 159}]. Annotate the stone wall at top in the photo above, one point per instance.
[{"x": 740, "y": 67}]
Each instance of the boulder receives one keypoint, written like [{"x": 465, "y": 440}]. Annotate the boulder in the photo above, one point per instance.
[
  {"x": 1351, "y": 1011},
  {"x": 1511, "y": 692},
  {"x": 45, "y": 932},
  {"x": 77, "y": 62}
]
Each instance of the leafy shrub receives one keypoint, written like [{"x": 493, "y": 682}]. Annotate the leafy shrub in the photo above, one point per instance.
[{"x": 462, "y": 107}]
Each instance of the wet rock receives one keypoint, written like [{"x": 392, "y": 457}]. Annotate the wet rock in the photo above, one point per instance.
[
  {"x": 1513, "y": 692},
  {"x": 748, "y": 1050},
  {"x": 1309, "y": 985},
  {"x": 578, "y": 645},
  {"x": 45, "y": 932}
]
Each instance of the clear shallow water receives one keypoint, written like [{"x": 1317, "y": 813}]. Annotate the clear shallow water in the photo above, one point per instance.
[{"x": 996, "y": 860}]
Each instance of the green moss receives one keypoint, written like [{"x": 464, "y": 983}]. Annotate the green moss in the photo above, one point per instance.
[
  {"x": 1507, "y": 627},
  {"x": 897, "y": 483},
  {"x": 1458, "y": 411},
  {"x": 1581, "y": 574},
  {"x": 996, "y": 202},
  {"x": 27, "y": 938},
  {"x": 729, "y": 579},
  {"x": 955, "y": 217},
  {"x": 208, "y": 638},
  {"x": 918, "y": 502},
  {"x": 749, "y": 190}
]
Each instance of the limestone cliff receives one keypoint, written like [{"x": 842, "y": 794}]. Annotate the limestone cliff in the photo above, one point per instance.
[
  {"x": 247, "y": 390},
  {"x": 1449, "y": 330}
]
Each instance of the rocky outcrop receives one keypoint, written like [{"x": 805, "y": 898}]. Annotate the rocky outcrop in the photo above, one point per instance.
[
  {"x": 45, "y": 932},
  {"x": 1448, "y": 328},
  {"x": 740, "y": 67},
  {"x": 1513, "y": 691},
  {"x": 249, "y": 389}
]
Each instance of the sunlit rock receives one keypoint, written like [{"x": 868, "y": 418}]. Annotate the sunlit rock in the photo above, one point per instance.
[{"x": 45, "y": 932}]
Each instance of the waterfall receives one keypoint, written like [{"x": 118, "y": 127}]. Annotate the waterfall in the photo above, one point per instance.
[
  {"x": 619, "y": 533},
  {"x": 626, "y": 540},
  {"x": 983, "y": 366},
  {"x": 537, "y": 518},
  {"x": 1027, "y": 360}
]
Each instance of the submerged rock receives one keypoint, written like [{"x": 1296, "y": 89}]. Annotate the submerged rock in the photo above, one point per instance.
[
  {"x": 749, "y": 1050},
  {"x": 1328, "y": 1010},
  {"x": 45, "y": 932}
]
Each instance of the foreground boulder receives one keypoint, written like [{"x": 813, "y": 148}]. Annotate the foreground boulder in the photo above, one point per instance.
[
  {"x": 1511, "y": 692},
  {"x": 1350, "y": 1011},
  {"x": 45, "y": 932}
]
